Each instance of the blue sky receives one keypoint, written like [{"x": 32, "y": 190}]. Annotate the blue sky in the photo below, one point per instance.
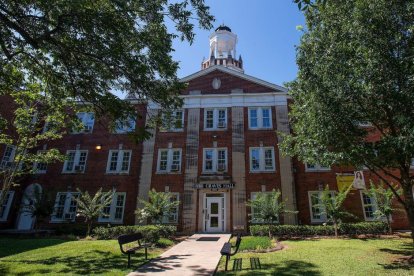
[{"x": 267, "y": 36}]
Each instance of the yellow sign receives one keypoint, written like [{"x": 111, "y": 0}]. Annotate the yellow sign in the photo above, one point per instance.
[{"x": 344, "y": 181}]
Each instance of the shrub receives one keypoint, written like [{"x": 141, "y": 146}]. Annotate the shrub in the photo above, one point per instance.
[
  {"x": 319, "y": 230},
  {"x": 151, "y": 233},
  {"x": 75, "y": 229}
]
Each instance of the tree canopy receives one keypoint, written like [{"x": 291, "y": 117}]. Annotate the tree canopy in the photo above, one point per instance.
[
  {"x": 87, "y": 49},
  {"x": 353, "y": 97}
]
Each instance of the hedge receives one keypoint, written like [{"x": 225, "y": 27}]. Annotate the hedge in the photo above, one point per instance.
[
  {"x": 151, "y": 233},
  {"x": 374, "y": 228}
]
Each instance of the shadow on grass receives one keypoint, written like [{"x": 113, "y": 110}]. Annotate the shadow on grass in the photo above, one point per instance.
[
  {"x": 288, "y": 268},
  {"x": 93, "y": 262},
  {"x": 10, "y": 246},
  {"x": 404, "y": 262}
]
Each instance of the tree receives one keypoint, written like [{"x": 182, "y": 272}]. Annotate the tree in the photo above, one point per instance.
[
  {"x": 267, "y": 208},
  {"x": 353, "y": 96},
  {"x": 26, "y": 132},
  {"x": 85, "y": 50},
  {"x": 384, "y": 198},
  {"x": 159, "y": 206},
  {"x": 92, "y": 207},
  {"x": 332, "y": 206}
]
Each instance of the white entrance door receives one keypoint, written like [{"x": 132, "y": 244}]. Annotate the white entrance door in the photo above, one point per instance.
[
  {"x": 214, "y": 215},
  {"x": 26, "y": 219}
]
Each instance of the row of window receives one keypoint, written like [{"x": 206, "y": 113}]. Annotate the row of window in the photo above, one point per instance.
[
  {"x": 65, "y": 208},
  {"x": 215, "y": 160},
  {"x": 318, "y": 215},
  {"x": 261, "y": 159},
  {"x": 214, "y": 119},
  {"x": 369, "y": 206}
]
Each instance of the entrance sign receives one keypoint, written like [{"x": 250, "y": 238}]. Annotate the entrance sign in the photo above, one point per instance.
[
  {"x": 359, "y": 181},
  {"x": 214, "y": 186},
  {"x": 344, "y": 181}
]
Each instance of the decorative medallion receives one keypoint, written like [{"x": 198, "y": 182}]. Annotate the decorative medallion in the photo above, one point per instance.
[{"x": 216, "y": 83}]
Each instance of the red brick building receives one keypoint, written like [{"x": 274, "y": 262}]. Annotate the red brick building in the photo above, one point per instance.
[{"x": 213, "y": 155}]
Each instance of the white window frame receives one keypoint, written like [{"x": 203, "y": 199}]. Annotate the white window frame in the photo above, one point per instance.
[
  {"x": 7, "y": 161},
  {"x": 215, "y": 160},
  {"x": 170, "y": 154},
  {"x": 262, "y": 164},
  {"x": 253, "y": 196},
  {"x": 125, "y": 126},
  {"x": 323, "y": 217},
  {"x": 317, "y": 168},
  {"x": 216, "y": 118},
  {"x": 66, "y": 207},
  {"x": 119, "y": 162},
  {"x": 373, "y": 205},
  {"x": 75, "y": 161},
  {"x": 88, "y": 124},
  {"x": 112, "y": 209},
  {"x": 35, "y": 164},
  {"x": 167, "y": 220},
  {"x": 171, "y": 126},
  {"x": 260, "y": 117},
  {"x": 7, "y": 206}
]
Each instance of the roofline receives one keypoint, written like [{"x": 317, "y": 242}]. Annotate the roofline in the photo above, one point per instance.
[{"x": 235, "y": 73}]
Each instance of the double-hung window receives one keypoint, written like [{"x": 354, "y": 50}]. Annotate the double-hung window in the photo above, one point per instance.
[
  {"x": 118, "y": 161},
  {"x": 369, "y": 206},
  {"x": 262, "y": 159},
  {"x": 65, "y": 207},
  {"x": 114, "y": 212},
  {"x": 8, "y": 157},
  {"x": 215, "y": 118},
  {"x": 317, "y": 211},
  {"x": 75, "y": 161},
  {"x": 316, "y": 168},
  {"x": 5, "y": 207},
  {"x": 173, "y": 215},
  {"x": 255, "y": 213},
  {"x": 169, "y": 160},
  {"x": 260, "y": 117},
  {"x": 173, "y": 121},
  {"x": 125, "y": 126},
  {"x": 39, "y": 167},
  {"x": 215, "y": 160},
  {"x": 88, "y": 120}
]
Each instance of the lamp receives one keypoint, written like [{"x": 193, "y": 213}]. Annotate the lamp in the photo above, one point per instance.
[{"x": 98, "y": 147}]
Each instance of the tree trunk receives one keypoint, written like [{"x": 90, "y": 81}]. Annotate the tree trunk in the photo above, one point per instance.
[
  {"x": 89, "y": 228},
  {"x": 335, "y": 224},
  {"x": 389, "y": 225},
  {"x": 409, "y": 204}
]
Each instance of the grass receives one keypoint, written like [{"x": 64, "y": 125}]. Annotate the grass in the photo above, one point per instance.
[
  {"x": 250, "y": 243},
  {"x": 330, "y": 257},
  {"x": 58, "y": 256}
]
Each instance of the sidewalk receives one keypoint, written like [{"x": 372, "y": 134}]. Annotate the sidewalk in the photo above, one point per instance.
[{"x": 190, "y": 257}]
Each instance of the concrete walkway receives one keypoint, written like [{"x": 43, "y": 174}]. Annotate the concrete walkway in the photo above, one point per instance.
[{"x": 189, "y": 257}]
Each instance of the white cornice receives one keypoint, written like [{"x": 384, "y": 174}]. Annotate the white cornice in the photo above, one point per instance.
[
  {"x": 234, "y": 73},
  {"x": 231, "y": 100}
]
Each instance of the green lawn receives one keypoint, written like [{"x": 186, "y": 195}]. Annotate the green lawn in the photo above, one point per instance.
[
  {"x": 57, "y": 256},
  {"x": 330, "y": 257}
]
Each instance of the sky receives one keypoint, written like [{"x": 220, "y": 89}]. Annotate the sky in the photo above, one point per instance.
[{"x": 267, "y": 36}]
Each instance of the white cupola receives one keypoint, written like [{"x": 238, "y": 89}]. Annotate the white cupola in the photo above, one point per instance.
[{"x": 223, "y": 50}]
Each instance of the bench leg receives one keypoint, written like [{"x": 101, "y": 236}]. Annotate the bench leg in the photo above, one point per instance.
[
  {"x": 227, "y": 261},
  {"x": 129, "y": 260}
]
